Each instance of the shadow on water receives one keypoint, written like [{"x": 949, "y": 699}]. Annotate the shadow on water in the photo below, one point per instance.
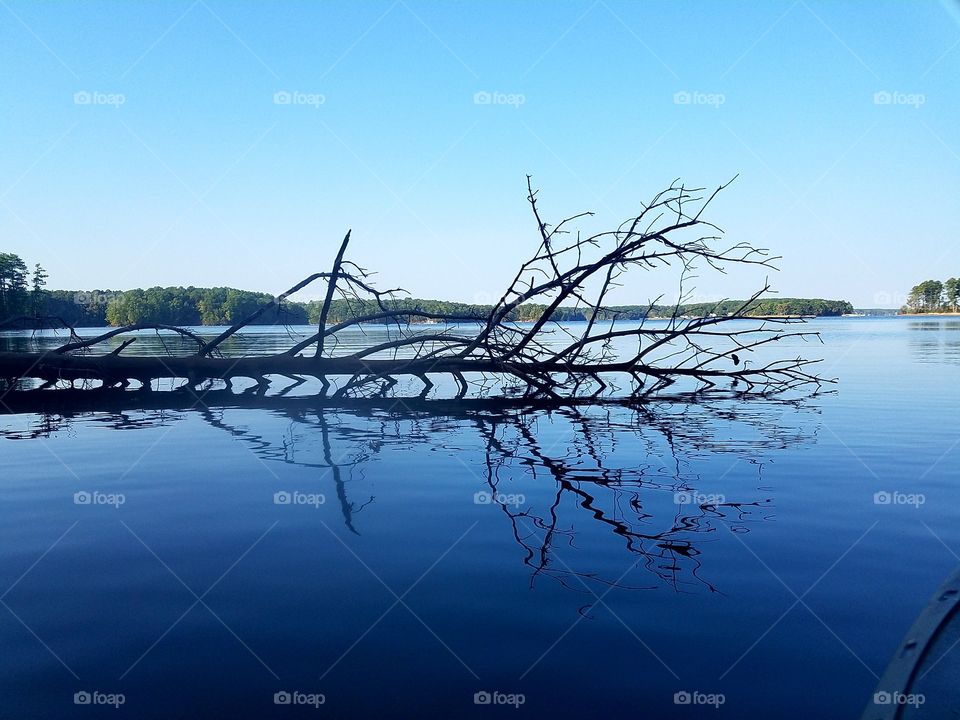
[
  {"x": 640, "y": 477},
  {"x": 935, "y": 340}
]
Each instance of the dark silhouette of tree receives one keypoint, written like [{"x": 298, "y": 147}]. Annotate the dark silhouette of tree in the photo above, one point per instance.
[
  {"x": 38, "y": 296},
  {"x": 544, "y": 362},
  {"x": 13, "y": 286}
]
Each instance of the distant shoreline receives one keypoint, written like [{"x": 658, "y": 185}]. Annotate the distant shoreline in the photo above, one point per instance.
[
  {"x": 216, "y": 306},
  {"x": 931, "y": 314}
]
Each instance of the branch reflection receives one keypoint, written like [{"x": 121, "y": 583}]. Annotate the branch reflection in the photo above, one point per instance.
[{"x": 644, "y": 477}]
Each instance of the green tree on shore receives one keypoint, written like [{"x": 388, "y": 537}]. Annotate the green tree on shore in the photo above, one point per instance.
[
  {"x": 952, "y": 289},
  {"x": 22, "y": 293},
  {"x": 932, "y": 296},
  {"x": 13, "y": 286},
  {"x": 38, "y": 296}
]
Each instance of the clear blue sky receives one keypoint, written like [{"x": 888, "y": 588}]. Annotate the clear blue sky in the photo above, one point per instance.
[{"x": 200, "y": 177}]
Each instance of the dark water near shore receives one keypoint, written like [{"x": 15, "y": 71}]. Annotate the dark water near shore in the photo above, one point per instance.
[{"x": 595, "y": 562}]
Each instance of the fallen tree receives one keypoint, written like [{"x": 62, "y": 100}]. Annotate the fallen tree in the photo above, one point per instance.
[{"x": 545, "y": 361}]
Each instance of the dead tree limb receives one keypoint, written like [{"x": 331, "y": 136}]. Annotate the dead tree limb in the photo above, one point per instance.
[
  {"x": 546, "y": 360},
  {"x": 331, "y": 287}
]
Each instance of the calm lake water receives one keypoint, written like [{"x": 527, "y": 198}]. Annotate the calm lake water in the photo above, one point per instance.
[{"x": 767, "y": 555}]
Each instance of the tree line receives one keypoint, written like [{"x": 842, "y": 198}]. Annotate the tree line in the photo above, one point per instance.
[
  {"x": 24, "y": 294},
  {"x": 932, "y": 296},
  {"x": 21, "y": 290}
]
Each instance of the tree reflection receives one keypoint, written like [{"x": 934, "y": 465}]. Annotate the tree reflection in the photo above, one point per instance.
[
  {"x": 935, "y": 340},
  {"x": 622, "y": 499},
  {"x": 643, "y": 476}
]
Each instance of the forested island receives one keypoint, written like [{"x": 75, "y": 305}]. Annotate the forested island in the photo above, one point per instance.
[
  {"x": 23, "y": 295},
  {"x": 933, "y": 296}
]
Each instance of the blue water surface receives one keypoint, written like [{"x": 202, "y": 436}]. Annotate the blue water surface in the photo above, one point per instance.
[{"x": 757, "y": 559}]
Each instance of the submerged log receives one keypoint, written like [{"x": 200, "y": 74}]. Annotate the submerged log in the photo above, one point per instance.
[
  {"x": 54, "y": 367},
  {"x": 546, "y": 361}
]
